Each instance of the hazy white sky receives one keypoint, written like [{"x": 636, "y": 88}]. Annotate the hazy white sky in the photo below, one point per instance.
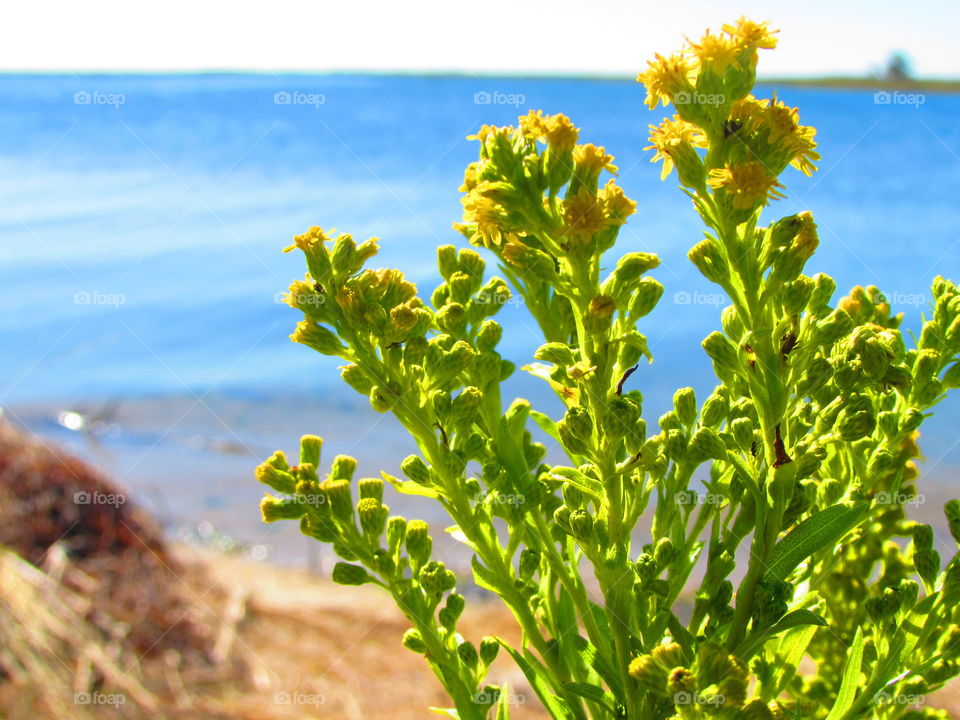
[{"x": 536, "y": 36}]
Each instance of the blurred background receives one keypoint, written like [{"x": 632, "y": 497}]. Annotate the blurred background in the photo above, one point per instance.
[{"x": 154, "y": 162}]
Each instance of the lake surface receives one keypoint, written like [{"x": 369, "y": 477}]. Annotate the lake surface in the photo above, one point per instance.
[{"x": 142, "y": 220}]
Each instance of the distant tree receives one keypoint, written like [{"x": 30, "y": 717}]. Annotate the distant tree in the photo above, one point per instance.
[{"x": 898, "y": 67}]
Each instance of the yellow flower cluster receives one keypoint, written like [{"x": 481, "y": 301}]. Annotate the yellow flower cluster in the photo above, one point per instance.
[
  {"x": 514, "y": 168},
  {"x": 748, "y": 184},
  {"x": 735, "y": 46}
]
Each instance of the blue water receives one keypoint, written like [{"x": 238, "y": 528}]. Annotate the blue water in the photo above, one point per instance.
[{"x": 142, "y": 234}]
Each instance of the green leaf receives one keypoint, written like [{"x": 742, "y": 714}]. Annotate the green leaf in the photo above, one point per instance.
[
  {"x": 851, "y": 678},
  {"x": 749, "y": 647},
  {"x": 457, "y": 534},
  {"x": 581, "y": 481},
  {"x": 503, "y": 703},
  {"x": 593, "y": 693},
  {"x": 546, "y": 424},
  {"x": 449, "y": 712},
  {"x": 408, "y": 487},
  {"x": 557, "y": 707},
  {"x": 791, "y": 649},
  {"x": 818, "y": 531},
  {"x": 483, "y": 577}
]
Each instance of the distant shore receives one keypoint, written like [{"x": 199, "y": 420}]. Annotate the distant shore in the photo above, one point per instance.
[{"x": 867, "y": 83}]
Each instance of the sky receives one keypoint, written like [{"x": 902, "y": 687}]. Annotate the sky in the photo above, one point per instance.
[{"x": 819, "y": 37}]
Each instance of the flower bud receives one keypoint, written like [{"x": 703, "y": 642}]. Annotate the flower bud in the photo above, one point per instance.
[
  {"x": 343, "y": 467},
  {"x": 310, "y": 447},
  {"x": 797, "y": 294},
  {"x": 833, "y": 327},
  {"x": 415, "y": 469},
  {"x": 529, "y": 563},
  {"x": 318, "y": 338},
  {"x": 664, "y": 553},
  {"x": 927, "y": 564},
  {"x": 646, "y": 295},
  {"x": 910, "y": 421},
  {"x": 419, "y": 544},
  {"x": 714, "y": 411},
  {"x": 651, "y": 675},
  {"x": 413, "y": 640},
  {"x": 468, "y": 654},
  {"x": 341, "y": 503},
  {"x": 489, "y": 335},
  {"x": 823, "y": 289},
  {"x": 452, "y": 610},
  {"x": 270, "y": 474},
  {"x": 452, "y": 319},
  {"x": 888, "y": 421},
  {"x": 743, "y": 435},
  {"x": 434, "y": 577},
  {"x": 685, "y": 405},
  {"x": 528, "y": 259},
  {"x": 708, "y": 257},
  {"x": 705, "y": 443},
  {"x": 853, "y": 426},
  {"x": 489, "y": 648},
  {"x": 464, "y": 406},
  {"x": 576, "y": 430},
  {"x": 726, "y": 359},
  {"x": 371, "y": 488},
  {"x": 347, "y": 574},
  {"x": 396, "y": 532},
  {"x": 447, "y": 260},
  {"x": 273, "y": 509},
  {"x": 373, "y": 517},
  {"x": 582, "y": 525},
  {"x": 922, "y": 536}
]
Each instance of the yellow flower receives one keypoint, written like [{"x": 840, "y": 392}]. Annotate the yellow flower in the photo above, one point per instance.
[
  {"x": 617, "y": 206},
  {"x": 470, "y": 177},
  {"x": 717, "y": 52},
  {"x": 533, "y": 125},
  {"x": 802, "y": 149},
  {"x": 584, "y": 216},
  {"x": 561, "y": 134},
  {"x": 748, "y": 184},
  {"x": 665, "y": 77},
  {"x": 750, "y": 34},
  {"x": 488, "y": 132},
  {"x": 670, "y": 138},
  {"x": 592, "y": 159},
  {"x": 807, "y": 240},
  {"x": 482, "y": 211}
]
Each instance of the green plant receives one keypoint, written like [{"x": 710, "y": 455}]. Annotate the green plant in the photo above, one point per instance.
[{"x": 808, "y": 440}]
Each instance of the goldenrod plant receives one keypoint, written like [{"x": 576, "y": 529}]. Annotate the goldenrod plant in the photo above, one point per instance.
[{"x": 807, "y": 590}]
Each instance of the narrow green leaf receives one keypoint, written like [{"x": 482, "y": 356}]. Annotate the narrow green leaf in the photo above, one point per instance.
[
  {"x": 580, "y": 480},
  {"x": 791, "y": 649},
  {"x": 408, "y": 487},
  {"x": 503, "y": 703},
  {"x": 749, "y": 647},
  {"x": 818, "y": 531},
  {"x": 558, "y": 708},
  {"x": 850, "y": 680},
  {"x": 546, "y": 424},
  {"x": 593, "y": 693},
  {"x": 483, "y": 577}
]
